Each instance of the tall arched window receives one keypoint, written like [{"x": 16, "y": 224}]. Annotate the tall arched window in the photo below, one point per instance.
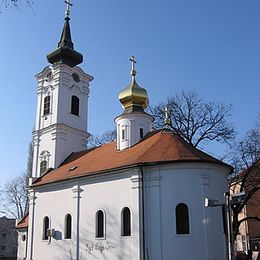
[
  {"x": 182, "y": 219},
  {"x": 47, "y": 105},
  {"x": 46, "y": 226},
  {"x": 43, "y": 167},
  {"x": 68, "y": 222},
  {"x": 126, "y": 222},
  {"x": 75, "y": 105},
  {"x": 100, "y": 224}
]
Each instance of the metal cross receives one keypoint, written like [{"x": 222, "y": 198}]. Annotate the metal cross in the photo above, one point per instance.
[
  {"x": 166, "y": 111},
  {"x": 68, "y": 7},
  {"x": 132, "y": 59}
]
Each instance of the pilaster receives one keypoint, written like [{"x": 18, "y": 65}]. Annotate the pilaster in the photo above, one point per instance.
[
  {"x": 76, "y": 190},
  {"x": 31, "y": 223},
  {"x": 137, "y": 216}
]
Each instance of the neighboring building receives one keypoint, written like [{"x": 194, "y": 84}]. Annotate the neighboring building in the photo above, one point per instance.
[
  {"x": 141, "y": 197},
  {"x": 249, "y": 231},
  {"x": 22, "y": 227},
  {"x": 8, "y": 238}
]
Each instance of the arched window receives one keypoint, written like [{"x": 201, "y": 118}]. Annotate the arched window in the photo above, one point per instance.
[
  {"x": 182, "y": 219},
  {"x": 43, "y": 167},
  {"x": 46, "y": 226},
  {"x": 100, "y": 224},
  {"x": 75, "y": 105},
  {"x": 126, "y": 222},
  {"x": 47, "y": 105},
  {"x": 67, "y": 233}
]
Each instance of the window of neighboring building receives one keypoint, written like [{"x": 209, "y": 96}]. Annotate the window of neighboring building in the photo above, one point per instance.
[
  {"x": 3, "y": 248},
  {"x": 43, "y": 167},
  {"x": 4, "y": 235},
  {"x": 46, "y": 226},
  {"x": 100, "y": 224},
  {"x": 182, "y": 219},
  {"x": 75, "y": 105},
  {"x": 126, "y": 222},
  {"x": 68, "y": 226},
  {"x": 141, "y": 133},
  {"x": 47, "y": 105}
]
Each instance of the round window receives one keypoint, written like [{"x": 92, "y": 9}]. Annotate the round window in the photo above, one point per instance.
[{"x": 75, "y": 77}]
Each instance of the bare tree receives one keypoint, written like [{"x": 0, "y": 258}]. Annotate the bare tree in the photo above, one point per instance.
[
  {"x": 195, "y": 120},
  {"x": 249, "y": 182},
  {"x": 16, "y": 3},
  {"x": 29, "y": 160},
  {"x": 14, "y": 194},
  {"x": 247, "y": 178},
  {"x": 107, "y": 137}
]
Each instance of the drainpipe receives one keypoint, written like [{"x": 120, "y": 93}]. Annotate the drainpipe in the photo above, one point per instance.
[{"x": 143, "y": 219}]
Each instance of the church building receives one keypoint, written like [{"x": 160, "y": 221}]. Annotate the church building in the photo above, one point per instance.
[{"x": 140, "y": 197}]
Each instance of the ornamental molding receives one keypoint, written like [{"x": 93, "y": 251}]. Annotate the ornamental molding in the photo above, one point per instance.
[
  {"x": 76, "y": 190},
  {"x": 136, "y": 179},
  {"x": 205, "y": 179},
  {"x": 53, "y": 129},
  {"x": 153, "y": 178}
]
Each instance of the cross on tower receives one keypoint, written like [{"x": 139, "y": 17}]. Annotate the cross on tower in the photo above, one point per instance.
[
  {"x": 132, "y": 59},
  {"x": 68, "y": 7}
]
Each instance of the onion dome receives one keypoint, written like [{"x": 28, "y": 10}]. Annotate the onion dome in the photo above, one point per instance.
[
  {"x": 65, "y": 52},
  {"x": 133, "y": 98}
]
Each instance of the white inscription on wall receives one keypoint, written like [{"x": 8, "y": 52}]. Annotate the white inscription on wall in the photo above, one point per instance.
[{"x": 98, "y": 246}]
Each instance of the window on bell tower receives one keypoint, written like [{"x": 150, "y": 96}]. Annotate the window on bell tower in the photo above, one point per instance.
[
  {"x": 75, "y": 105},
  {"x": 43, "y": 167},
  {"x": 47, "y": 105}
]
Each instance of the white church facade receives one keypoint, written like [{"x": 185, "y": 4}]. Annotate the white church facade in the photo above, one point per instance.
[{"x": 140, "y": 197}]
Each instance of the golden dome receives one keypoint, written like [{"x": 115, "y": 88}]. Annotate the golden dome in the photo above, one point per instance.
[{"x": 133, "y": 95}]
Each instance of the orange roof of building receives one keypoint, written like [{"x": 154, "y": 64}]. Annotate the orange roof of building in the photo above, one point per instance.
[
  {"x": 23, "y": 223},
  {"x": 157, "y": 147}
]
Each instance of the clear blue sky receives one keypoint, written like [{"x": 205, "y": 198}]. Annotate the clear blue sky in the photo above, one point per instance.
[{"x": 210, "y": 46}]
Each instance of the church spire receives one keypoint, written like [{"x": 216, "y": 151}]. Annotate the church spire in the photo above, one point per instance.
[{"x": 65, "y": 52}]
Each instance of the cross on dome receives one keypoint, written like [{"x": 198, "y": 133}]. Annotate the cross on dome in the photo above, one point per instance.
[
  {"x": 133, "y": 72},
  {"x": 167, "y": 120},
  {"x": 68, "y": 2}
]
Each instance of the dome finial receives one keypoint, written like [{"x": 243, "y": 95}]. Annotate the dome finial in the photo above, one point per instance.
[
  {"x": 167, "y": 119},
  {"x": 133, "y": 72},
  {"x": 69, "y": 4}
]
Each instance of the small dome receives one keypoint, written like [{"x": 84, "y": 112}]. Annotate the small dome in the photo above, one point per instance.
[{"x": 133, "y": 95}]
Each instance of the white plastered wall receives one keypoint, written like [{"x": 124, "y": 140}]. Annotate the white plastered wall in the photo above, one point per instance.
[
  {"x": 82, "y": 199},
  {"x": 168, "y": 185},
  {"x": 131, "y": 124}
]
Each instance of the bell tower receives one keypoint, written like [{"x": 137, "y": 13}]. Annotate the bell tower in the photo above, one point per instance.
[{"x": 62, "y": 105}]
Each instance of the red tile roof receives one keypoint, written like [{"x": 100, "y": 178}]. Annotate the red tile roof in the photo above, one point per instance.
[
  {"x": 157, "y": 147},
  {"x": 23, "y": 223}
]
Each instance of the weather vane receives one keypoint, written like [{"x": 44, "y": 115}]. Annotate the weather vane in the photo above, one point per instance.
[
  {"x": 132, "y": 59},
  {"x": 69, "y": 4}
]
